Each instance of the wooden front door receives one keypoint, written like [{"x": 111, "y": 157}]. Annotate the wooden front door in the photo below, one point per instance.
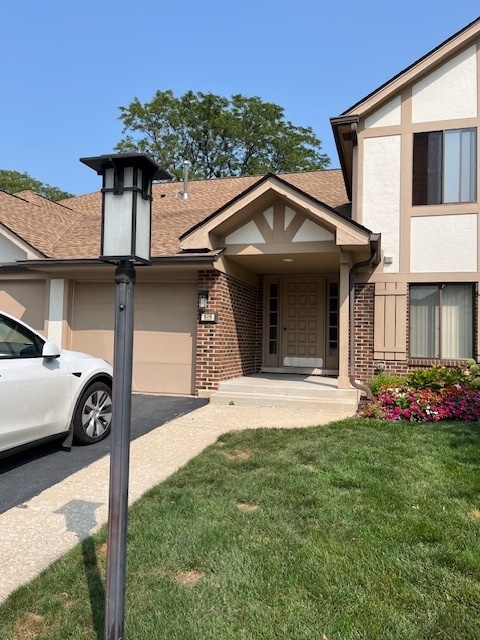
[{"x": 303, "y": 335}]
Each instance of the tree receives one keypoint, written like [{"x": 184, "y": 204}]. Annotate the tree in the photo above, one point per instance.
[
  {"x": 14, "y": 181},
  {"x": 218, "y": 136}
]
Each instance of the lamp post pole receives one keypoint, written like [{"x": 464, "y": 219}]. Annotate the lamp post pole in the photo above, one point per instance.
[
  {"x": 120, "y": 452},
  {"x": 126, "y": 240}
]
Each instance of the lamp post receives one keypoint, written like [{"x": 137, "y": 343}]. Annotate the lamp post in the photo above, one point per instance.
[{"x": 125, "y": 241}]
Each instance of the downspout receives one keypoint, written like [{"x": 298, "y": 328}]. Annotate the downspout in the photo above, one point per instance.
[{"x": 351, "y": 304}]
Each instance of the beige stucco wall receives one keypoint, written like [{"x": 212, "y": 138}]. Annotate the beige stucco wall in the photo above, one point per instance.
[
  {"x": 449, "y": 92},
  {"x": 381, "y": 192},
  {"x": 430, "y": 243},
  {"x": 444, "y": 98},
  {"x": 444, "y": 244},
  {"x": 388, "y": 114},
  {"x": 26, "y": 300}
]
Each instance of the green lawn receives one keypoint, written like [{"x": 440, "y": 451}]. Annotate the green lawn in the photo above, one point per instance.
[{"x": 360, "y": 529}]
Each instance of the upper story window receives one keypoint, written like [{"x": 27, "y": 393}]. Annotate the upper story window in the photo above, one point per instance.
[{"x": 445, "y": 166}]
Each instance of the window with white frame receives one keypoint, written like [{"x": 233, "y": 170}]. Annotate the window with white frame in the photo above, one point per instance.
[
  {"x": 441, "y": 321},
  {"x": 445, "y": 166}
]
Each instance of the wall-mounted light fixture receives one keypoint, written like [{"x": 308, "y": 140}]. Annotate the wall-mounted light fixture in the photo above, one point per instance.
[
  {"x": 202, "y": 299},
  {"x": 388, "y": 260}
]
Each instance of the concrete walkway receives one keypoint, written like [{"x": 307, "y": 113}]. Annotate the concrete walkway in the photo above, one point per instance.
[{"x": 38, "y": 532}]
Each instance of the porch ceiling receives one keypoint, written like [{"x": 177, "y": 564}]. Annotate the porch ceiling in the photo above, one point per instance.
[{"x": 284, "y": 264}]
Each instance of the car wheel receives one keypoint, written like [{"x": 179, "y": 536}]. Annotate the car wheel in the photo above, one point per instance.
[{"x": 93, "y": 417}]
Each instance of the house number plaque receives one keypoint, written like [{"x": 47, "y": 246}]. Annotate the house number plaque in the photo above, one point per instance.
[{"x": 208, "y": 316}]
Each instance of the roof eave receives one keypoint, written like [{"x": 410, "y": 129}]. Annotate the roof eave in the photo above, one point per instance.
[
  {"x": 342, "y": 125},
  {"x": 191, "y": 259}
]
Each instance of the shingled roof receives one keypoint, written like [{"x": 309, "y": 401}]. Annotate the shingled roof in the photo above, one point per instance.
[
  {"x": 71, "y": 228},
  {"x": 37, "y": 220}
]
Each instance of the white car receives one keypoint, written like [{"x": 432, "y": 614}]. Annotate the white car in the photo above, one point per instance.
[{"x": 47, "y": 392}]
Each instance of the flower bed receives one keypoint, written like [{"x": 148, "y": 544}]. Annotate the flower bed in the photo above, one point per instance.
[
  {"x": 424, "y": 405},
  {"x": 428, "y": 396}
]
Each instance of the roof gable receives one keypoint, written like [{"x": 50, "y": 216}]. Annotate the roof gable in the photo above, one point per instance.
[
  {"x": 278, "y": 223},
  {"x": 440, "y": 54},
  {"x": 19, "y": 219},
  {"x": 257, "y": 217},
  {"x": 12, "y": 248},
  {"x": 450, "y": 64}
]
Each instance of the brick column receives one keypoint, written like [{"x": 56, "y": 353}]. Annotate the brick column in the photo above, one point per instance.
[
  {"x": 364, "y": 326},
  {"x": 231, "y": 347}
]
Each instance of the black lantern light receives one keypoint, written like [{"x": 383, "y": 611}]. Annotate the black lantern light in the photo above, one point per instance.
[{"x": 126, "y": 205}]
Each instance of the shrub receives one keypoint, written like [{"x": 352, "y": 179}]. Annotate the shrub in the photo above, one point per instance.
[
  {"x": 437, "y": 377},
  {"x": 473, "y": 374},
  {"x": 385, "y": 380}
]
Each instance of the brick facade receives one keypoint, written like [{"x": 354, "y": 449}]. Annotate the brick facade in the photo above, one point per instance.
[
  {"x": 365, "y": 365},
  {"x": 232, "y": 346}
]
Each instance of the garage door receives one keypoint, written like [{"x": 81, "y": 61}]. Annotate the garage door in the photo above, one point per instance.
[
  {"x": 24, "y": 299},
  {"x": 165, "y": 329}
]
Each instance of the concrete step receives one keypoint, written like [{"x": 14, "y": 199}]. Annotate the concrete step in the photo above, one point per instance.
[
  {"x": 285, "y": 390},
  {"x": 328, "y": 405},
  {"x": 294, "y": 391}
]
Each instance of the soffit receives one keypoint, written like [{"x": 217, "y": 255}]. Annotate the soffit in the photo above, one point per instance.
[{"x": 288, "y": 264}]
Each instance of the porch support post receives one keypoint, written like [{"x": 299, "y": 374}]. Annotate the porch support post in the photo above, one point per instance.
[
  {"x": 343, "y": 322},
  {"x": 56, "y": 311}
]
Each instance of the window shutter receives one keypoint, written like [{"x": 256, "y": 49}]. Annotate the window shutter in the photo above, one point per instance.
[
  {"x": 427, "y": 168},
  {"x": 390, "y": 332},
  {"x": 435, "y": 167},
  {"x": 420, "y": 168}
]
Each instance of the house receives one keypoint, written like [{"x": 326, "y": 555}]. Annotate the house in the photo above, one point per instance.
[
  {"x": 409, "y": 155},
  {"x": 342, "y": 272}
]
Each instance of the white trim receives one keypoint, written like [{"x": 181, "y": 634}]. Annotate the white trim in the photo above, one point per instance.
[{"x": 55, "y": 311}]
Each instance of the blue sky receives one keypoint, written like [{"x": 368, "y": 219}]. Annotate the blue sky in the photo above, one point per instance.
[{"x": 68, "y": 66}]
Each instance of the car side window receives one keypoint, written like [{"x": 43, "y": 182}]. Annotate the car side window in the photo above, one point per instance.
[{"x": 16, "y": 341}]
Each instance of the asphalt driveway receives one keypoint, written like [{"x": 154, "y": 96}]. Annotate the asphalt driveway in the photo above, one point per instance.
[{"x": 25, "y": 475}]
